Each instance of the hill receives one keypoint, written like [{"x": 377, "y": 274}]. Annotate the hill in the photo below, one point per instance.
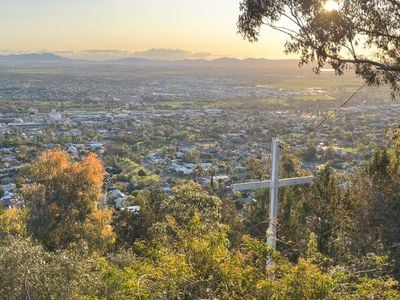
[{"x": 34, "y": 58}]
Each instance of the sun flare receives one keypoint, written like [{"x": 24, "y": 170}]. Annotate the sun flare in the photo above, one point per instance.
[{"x": 331, "y": 5}]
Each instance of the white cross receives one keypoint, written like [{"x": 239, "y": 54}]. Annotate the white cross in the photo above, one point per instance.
[{"x": 274, "y": 184}]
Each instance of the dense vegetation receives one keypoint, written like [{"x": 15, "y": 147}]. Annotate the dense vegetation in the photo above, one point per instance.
[{"x": 339, "y": 238}]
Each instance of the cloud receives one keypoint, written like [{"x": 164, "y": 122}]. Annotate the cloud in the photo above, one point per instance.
[
  {"x": 105, "y": 51},
  {"x": 171, "y": 54},
  {"x": 155, "y": 53},
  {"x": 95, "y": 54}
]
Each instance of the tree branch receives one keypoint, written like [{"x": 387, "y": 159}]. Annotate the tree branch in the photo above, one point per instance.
[{"x": 385, "y": 67}]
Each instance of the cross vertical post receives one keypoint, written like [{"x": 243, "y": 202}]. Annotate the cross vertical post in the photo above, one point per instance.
[
  {"x": 274, "y": 184},
  {"x": 274, "y": 194}
]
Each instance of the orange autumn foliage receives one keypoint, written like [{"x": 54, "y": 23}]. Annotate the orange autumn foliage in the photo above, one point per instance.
[{"x": 64, "y": 202}]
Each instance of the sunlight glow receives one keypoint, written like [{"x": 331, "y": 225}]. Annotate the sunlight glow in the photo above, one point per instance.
[{"x": 331, "y": 5}]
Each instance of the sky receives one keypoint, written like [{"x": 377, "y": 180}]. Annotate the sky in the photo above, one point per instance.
[{"x": 116, "y": 28}]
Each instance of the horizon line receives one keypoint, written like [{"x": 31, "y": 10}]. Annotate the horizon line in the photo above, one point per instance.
[{"x": 132, "y": 55}]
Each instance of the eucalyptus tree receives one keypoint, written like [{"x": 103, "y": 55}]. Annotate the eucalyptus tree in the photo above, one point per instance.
[{"x": 359, "y": 34}]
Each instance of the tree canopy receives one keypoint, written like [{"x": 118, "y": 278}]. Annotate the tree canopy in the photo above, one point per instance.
[
  {"x": 64, "y": 202},
  {"x": 338, "y": 239},
  {"x": 359, "y": 34}
]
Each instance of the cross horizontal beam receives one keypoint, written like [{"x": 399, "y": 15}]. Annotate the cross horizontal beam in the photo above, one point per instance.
[{"x": 267, "y": 184}]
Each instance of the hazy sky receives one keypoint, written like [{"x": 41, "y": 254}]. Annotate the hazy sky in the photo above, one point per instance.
[{"x": 129, "y": 25}]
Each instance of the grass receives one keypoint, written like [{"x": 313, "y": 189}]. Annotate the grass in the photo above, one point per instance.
[
  {"x": 131, "y": 170},
  {"x": 318, "y": 83},
  {"x": 314, "y": 98}
]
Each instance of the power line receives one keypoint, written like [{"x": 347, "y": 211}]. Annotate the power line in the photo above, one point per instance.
[{"x": 334, "y": 112}]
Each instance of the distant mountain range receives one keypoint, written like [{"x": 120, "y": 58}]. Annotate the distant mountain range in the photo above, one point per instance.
[
  {"x": 35, "y": 58},
  {"x": 219, "y": 62}
]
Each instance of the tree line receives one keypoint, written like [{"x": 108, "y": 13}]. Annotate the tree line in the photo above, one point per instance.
[{"x": 338, "y": 239}]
